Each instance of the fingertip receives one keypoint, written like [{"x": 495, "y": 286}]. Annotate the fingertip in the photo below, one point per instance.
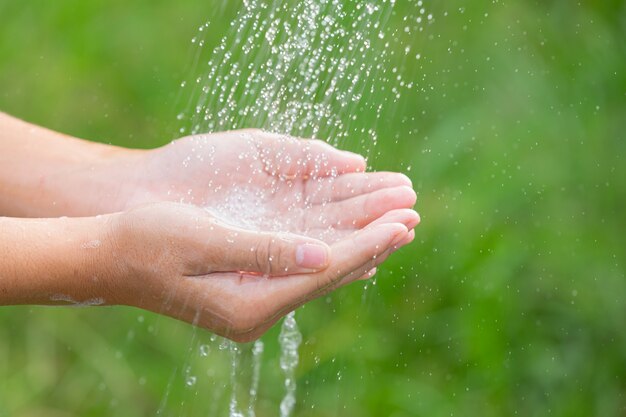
[
  {"x": 337, "y": 161},
  {"x": 353, "y": 162},
  {"x": 393, "y": 228},
  {"x": 394, "y": 198},
  {"x": 409, "y": 195},
  {"x": 407, "y": 239},
  {"x": 403, "y": 179},
  {"x": 413, "y": 219},
  {"x": 409, "y": 217},
  {"x": 395, "y": 232},
  {"x": 360, "y": 161},
  {"x": 406, "y": 216},
  {"x": 367, "y": 246},
  {"x": 374, "y": 241},
  {"x": 349, "y": 161}
]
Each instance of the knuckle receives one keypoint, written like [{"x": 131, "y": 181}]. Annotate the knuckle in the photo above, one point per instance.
[
  {"x": 260, "y": 256},
  {"x": 271, "y": 260},
  {"x": 278, "y": 264},
  {"x": 270, "y": 256}
]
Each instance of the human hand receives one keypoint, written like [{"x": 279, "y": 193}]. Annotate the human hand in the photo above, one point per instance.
[
  {"x": 310, "y": 186},
  {"x": 266, "y": 181},
  {"x": 157, "y": 255},
  {"x": 181, "y": 261}
]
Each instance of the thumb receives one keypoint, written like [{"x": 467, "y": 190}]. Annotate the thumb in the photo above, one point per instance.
[{"x": 272, "y": 253}]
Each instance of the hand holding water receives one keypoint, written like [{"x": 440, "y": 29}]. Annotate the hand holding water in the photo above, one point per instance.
[
  {"x": 180, "y": 261},
  {"x": 235, "y": 265},
  {"x": 271, "y": 182}
]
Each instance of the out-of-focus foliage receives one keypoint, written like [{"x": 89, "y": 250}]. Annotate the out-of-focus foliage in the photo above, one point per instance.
[{"x": 512, "y": 301}]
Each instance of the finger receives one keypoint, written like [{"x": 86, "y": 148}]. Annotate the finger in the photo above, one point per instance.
[
  {"x": 409, "y": 239},
  {"x": 351, "y": 185},
  {"x": 359, "y": 211},
  {"x": 347, "y": 255},
  {"x": 330, "y": 235},
  {"x": 285, "y": 294},
  {"x": 289, "y": 158},
  {"x": 410, "y": 218},
  {"x": 267, "y": 253},
  {"x": 365, "y": 271}
]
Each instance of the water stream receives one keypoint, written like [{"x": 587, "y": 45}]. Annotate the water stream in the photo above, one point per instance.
[
  {"x": 290, "y": 339},
  {"x": 306, "y": 68},
  {"x": 257, "y": 357}
]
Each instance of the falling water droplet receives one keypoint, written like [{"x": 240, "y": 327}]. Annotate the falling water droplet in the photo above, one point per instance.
[{"x": 205, "y": 350}]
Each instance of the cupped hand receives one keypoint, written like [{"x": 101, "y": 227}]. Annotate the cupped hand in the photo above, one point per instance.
[
  {"x": 181, "y": 261},
  {"x": 231, "y": 254},
  {"x": 270, "y": 182}
]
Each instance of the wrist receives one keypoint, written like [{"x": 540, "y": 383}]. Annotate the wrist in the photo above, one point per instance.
[
  {"x": 93, "y": 246},
  {"x": 55, "y": 261},
  {"x": 105, "y": 182},
  {"x": 109, "y": 183},
  {"x": 64, "y": 176}
]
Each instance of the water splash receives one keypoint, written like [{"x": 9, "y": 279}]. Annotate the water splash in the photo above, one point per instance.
[
  {"x": 245, "y": 207},
  {"x": 290, "y": 339},
  {"x": 236, "y": 354},
  {"x": 306, "y": 68}
]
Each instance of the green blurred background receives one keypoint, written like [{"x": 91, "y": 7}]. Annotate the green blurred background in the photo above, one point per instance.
[{"x": 512, "y": 301}]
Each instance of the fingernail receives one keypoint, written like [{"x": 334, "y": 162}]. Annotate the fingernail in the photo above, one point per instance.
[{"x": 311, "y": 256}]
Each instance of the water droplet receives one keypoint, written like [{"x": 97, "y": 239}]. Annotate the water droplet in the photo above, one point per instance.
[{"x": 205, "y": 350}]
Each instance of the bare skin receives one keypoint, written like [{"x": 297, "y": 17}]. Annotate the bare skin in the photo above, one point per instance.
[{"x": 145, "y": 239}]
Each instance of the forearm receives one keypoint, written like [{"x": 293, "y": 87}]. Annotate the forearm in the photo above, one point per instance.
[
  {"x": 48, "y": 174},
  {"x": 54, "y": 261}
]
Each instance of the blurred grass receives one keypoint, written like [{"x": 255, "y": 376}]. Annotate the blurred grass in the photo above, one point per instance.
[{"x": 512, "y": 300}]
